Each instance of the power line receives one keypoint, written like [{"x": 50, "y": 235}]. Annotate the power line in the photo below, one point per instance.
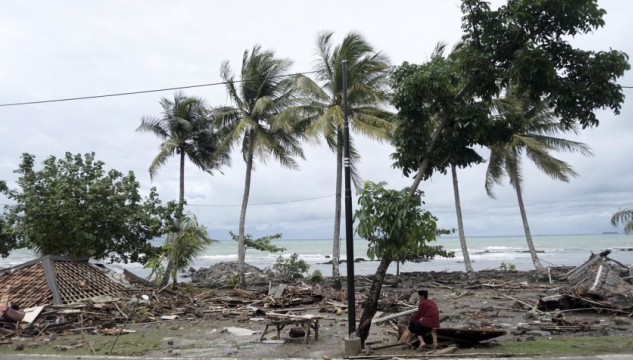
[
  {"x": 257, "y": 204},
  {"x": 158, "y": 90},
  {"x": 142, "y": 91},
  {"x": 269, "y": 203}
]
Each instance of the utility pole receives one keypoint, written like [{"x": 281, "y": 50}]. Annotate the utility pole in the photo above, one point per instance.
[{"x": 349, "y": 233}]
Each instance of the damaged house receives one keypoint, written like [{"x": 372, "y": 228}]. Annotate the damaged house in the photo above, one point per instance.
[
  {"x": 56, "y": 280},
  {"x": 599, "y": 283}
]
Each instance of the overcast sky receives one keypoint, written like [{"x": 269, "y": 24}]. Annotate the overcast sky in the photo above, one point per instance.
[{"x": 66, "y": 49}]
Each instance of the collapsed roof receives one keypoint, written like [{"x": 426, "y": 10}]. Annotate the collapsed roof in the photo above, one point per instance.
[
  {"x": 599, "y": 281},
  {"x": 55, "y": 280}
]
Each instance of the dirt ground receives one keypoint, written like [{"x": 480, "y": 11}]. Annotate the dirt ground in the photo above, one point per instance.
[{"x": 494, "y": 302}]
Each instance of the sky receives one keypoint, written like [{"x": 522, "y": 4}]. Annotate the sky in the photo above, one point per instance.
[{"x": 62, "y": 49}]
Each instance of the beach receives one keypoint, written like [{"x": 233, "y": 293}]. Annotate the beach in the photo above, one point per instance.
[
  {"x": 486, "y": 253},
  {"x": 496, "y": 304}
]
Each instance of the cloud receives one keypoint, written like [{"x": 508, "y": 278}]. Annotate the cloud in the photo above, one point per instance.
[{"x": 67, "y": 48}]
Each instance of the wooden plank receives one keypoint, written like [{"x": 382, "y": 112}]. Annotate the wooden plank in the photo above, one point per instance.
[{"x": 377, "y": 321}]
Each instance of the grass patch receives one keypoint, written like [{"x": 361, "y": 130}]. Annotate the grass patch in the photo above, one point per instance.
[
  {"x": 138, "y": 343},
  {"x": 578, "y": 345}
]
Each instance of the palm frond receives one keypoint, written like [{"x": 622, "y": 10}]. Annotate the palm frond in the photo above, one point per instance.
[
  {"x": 190, "y": 242},
  {"x": 167, "y": 149},
  {"x": 564, "y": 145},
  {"x": 624, "y": 216},
  {"x": 153, "y": 125},
  {"x": 495, "y": 171}
]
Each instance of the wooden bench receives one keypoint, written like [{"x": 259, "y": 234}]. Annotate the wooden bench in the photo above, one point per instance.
[{"x": 279, "y": 321}]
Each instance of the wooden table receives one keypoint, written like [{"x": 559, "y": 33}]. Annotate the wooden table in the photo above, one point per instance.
[{"x": 279, "y": 321}]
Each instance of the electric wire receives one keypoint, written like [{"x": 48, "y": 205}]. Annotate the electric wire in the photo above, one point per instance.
[
  {"x": 159, "y": 90},
  {"x": 233, "y": 205},
  {"x": 144, "y": 91}
]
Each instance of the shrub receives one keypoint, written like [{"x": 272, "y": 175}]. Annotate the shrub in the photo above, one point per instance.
[
  {"x": 284, "y": 268},
  {"x": 316, "y": 277}
]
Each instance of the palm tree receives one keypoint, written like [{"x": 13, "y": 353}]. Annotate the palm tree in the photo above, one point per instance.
[
  {"x": 186, "y": 129},
  {"x": 260, "y": 121},
  {"x": 367, "y": 81},
  {"x": 536, "y": 141},
  {"x": 187, "y": 244},
  {"x": 624, "y": 216}
]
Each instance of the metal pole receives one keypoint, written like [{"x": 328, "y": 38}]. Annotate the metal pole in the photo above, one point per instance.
[{"x": 349, "y": 234}]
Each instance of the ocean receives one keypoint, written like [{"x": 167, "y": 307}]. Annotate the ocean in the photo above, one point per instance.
[{"x": 485, "y": 253}]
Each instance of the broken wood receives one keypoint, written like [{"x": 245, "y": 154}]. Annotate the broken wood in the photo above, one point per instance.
[
  {"x": 377, "y": 321},
  {"x": 522, "y": 302}
]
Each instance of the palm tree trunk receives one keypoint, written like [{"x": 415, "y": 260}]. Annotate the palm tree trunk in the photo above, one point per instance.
[
  {"x": 526, "y": 227},
  {"x": 241, "y": 248},
  {"x": 460, "y": 224},
  {"x": 371, "y": 304},
  {"x": 336, "y": 242},
  {"x": 181, "y": 200}
]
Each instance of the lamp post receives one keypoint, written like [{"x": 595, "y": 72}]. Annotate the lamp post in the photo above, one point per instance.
[{"x": 349, "y": 233}]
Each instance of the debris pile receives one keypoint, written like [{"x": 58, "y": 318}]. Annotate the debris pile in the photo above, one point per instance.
[
  {"x": 59, "y": 295},
  {"x": 224, "y": 274}
]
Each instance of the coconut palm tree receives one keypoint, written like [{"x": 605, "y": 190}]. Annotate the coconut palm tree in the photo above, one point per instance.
[
  {"x": 186, "y": 129},
  {"x": 260, "y": 120},
  {"x": 535, "y": 140},
  {"x": 367, "y": 81},
  {"x": 624, "y": 216},
  {"x": 187, "y": 244}
]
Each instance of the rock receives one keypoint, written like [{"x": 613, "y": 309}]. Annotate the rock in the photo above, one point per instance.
[
  {"x": 538, "y": 333},
  {"x": 487, "y": 308},
  {"x": 339, "y": 312},
  {"x": 622, "y": 321},
  {"x": 475, "y": 323},
  {"x": 517, "y": 305},
  {"x": 523, "y": 326},
  {"x": 218, "y": 274}
]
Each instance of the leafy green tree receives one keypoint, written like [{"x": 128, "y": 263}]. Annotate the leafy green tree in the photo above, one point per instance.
[
  {"x": 411, "y": 255},
  {"x": 186, "y": 128},
  {"x": 263, "y": 243},
  {"x": 624, "y": 216},
  {"x": 526, "y": 41},
  {"x": 187, "y": 243},
  {"x": 7, "y": 241},
  {"x": 469, "y": 126},
  {"x": 367, "y": 101},
  {"x": 396, "y": 226},
  {"x": 535, "y": 140},
  {"x": 259, "y": 121},
  {"x": 73, "y": 207}
]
